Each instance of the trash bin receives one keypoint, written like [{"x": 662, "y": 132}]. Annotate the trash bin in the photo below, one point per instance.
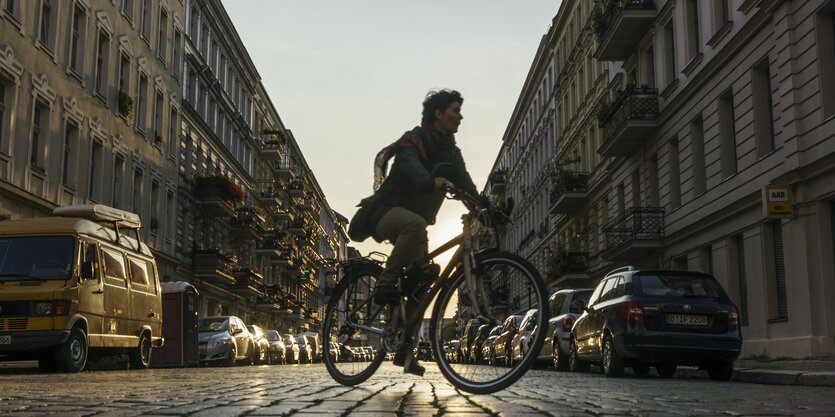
[{"x": 179, "y": 326}]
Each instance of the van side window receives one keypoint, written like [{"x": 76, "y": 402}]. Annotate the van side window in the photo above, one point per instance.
[
  {"x": 114, "y": 266},
  {"x": 89, "y": 254},
  {"x": 138, "y": 272}
]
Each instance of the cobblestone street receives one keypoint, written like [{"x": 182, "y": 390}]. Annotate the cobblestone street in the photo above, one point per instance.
[{"x": 307, "y": 390}]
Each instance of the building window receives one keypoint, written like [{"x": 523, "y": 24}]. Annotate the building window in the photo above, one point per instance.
[
  {"x": 669, "y": 53},
  {"x": 2, "y": 113},
  {"x": 102, "y": 49},
  {"x": 693, "y": 38},
  {"x": 118, "y": 181},
  {"x": 178, "y": 53},
  {"x": 46, "y": 18},
  {"x": 193, "y": 23},
  {"x": 142, "y": 103},
  {"x": 162, "y": 42},
  {"x": 778, "y": 309},
  {"x": 825, "y": 40},
  {"x": 204, "y": 42},
  {"x": 11, "y": 8},
  {"x": 720, "y": 14},
  {"x": 738, "y": 282},
  {"x": 146, "y": 20},
  {"x": 136, "y": 206},
  {"x": 159, "y": 102},
  {"x": 727, "y": 134},
  {"x": 675, "y": 173},
  {"x": 127, "y": 9},
  {"x": 77, "y": 37},
  {"x": 154, "y": 225},
  {"x": 40, "y": 132},
  {"x": 124, "y": 73},
  {"x": 697, "y": 149},
  {"x": 173, "y": 128},
  {"x": 71, "y": 139},
  {"x": 621, "y": 198},
  {"x": 95, "y": 172},
  {"x": 763, "y": 107},
  {"x": 652, "y": 181},
  {"x": 636, "y": 188}
]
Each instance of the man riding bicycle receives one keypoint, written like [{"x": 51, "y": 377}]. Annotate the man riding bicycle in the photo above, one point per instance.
[{"x": 411, "y": 195}]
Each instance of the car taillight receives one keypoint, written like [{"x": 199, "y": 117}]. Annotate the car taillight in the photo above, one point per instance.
[
  {"x": 633, "y": 313},
  {"x": 733, "y": 319},
  {"x": 568, "y": 323}
]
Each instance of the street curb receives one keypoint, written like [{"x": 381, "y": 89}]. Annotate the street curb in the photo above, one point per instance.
[{"x": 769, "y": 377}]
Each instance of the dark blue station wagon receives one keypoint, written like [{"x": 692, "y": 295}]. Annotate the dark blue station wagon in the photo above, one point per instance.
[{"x": 643, "y": 318}]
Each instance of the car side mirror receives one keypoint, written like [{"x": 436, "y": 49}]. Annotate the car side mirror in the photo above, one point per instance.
[{"x": 87, "y": 270}]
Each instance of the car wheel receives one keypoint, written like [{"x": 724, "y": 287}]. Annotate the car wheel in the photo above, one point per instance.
[
  {"x": 666, "y": 370},
  {"x": 640, "y": 370},
  {"x": 140, "y": 356},
  {"x": 253, "y": 356},
  {"x": 72, "y": 354},
  {"x": 230, "y": 361},
  {"x": 612, "y": 363},
  {"x": 721, "y": 371},
  {"x": 508, "y": 358},
  {"x": 559, "y": 358},
  {"x": 575, "y": 364}
]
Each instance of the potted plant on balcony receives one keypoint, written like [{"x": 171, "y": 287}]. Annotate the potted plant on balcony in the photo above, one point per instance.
[
  {"x": 157, "y": 138},
  {"x": 126, "y": 105}
]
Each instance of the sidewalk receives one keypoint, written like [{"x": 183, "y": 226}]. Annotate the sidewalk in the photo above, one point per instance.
[{"x": 818, "y": 372}]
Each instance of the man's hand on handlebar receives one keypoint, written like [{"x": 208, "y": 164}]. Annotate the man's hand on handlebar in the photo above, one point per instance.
[{"x": 442, "y": 184}]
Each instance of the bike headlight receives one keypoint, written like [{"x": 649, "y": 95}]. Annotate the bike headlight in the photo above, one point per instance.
[
  {"x": 43, "y": 308},
  {"x": 221, "y": 341}
]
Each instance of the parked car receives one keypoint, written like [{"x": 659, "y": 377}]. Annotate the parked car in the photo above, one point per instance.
[
  {"x": 564, "y": 306},
  {"x": 315, "y": 346},
  {"x": 262, "y": 345},
  {"x": 638, "y": 318},
  {"x": 224, "y": 339},
  {"x": 346, "y": 354},
  {"x": 501, "y": 345},
  {"x": 452, "y": 351},
  {"x": 519, "y": 343},
  {"x": 292, "y": 348},
  {"x": 487, "y": 351},
  {"x": 335, "y": 352},
  {"x": 277, "y": 353},
  {"x": 467, "y": 339},
  {"x": 305, "y": 354},
  {"x": 476, "y": 354}
]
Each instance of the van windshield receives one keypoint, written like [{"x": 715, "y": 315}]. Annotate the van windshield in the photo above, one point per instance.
[{"x": 36, "y": 258}]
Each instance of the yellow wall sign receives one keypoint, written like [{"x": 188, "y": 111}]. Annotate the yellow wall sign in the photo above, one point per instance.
[{"x": 777, "y": 201}]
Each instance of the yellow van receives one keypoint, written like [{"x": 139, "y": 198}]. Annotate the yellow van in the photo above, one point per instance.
[{"x": 77, "y": 281}]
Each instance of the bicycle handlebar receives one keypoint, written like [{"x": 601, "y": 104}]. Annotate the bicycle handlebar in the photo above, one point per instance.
[{"x": 487, "y": 215}]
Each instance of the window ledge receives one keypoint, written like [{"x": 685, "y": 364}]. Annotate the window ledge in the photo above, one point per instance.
[
  {"x": 694, "y": 62},
  {"x": 720, "y": 34},
  {"x": 37, "y": 169},
  {"x": 15, "y": 21},
  {"x": 74, "y": 74},
  {"x": 100, "y": 96},
  {"x": 669, "y": 89},
  {"x": 780, "y": 320}
]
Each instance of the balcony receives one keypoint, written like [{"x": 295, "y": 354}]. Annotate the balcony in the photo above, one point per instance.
[
  {"x": 281, "y": 214},
  {"x": 296, "y": 228},
  {"x": 282, "y": 169},
  {"x": 568, "y": 193},
  {"x": 247, "y": 224},
  {"x": 283, "y": 259},
  {"x": 620, "y": 26},
  {"x": 248, "y": 283},
  {"x": 498, "y": 182},
  {"x": 629, "y": 121},
  {"x": 297, "y": 312},
  {"x": 217, "y": 195},
  {"x": 270, "y": 246},
  {"x": 214, "y": 265},
  {"x": 305, "y": 204},
  {"x": 569, "y": 270},
  {"x": 636, "y": 233},
  {"x": 267, "y": 304},
  {"x": 270, "y": 197},
  {"x": 271, "y": 151},
  {"x": 295, "y": 189}
]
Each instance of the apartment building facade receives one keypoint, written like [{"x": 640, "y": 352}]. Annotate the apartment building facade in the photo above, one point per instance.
[{"x": 154, "y": 106}]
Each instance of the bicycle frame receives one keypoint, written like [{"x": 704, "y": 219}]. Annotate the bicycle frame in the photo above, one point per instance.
[{"x": 463, "y": 255}]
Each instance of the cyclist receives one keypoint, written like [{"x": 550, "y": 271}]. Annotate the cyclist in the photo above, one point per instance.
[{"x": 426, "y": 160}]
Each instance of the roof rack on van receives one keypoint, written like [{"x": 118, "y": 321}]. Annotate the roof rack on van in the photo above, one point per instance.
[
  {"x": 103, "y": 214},
  {"x": 623, "y": 268}
]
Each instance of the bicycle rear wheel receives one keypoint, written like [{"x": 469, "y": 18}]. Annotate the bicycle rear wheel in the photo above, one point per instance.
[
  {"x": 507, "y": 288},
  {"x": 349, "y": 319}
]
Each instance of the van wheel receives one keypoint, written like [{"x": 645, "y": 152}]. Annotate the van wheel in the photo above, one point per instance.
[
  {"x": 47, "y": 362},
  {"x": 72, "y": 354},
  {"x": 140, "y": 356}
]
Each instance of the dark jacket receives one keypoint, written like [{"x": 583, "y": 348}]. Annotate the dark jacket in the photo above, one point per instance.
[{"x": 410, "y": 183}]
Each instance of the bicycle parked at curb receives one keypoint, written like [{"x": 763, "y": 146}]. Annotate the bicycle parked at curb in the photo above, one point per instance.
[{"x": 485, "y": 286}]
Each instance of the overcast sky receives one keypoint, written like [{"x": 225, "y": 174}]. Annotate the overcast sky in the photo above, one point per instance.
[{"x": 348, "y": 77}]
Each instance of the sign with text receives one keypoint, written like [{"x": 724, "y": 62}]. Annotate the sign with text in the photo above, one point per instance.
[{"x": 777, "y": 201}]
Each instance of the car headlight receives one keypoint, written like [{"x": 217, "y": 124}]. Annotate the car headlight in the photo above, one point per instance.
[
  {"x": 221, "y": 341},
  {"x": 43, "y": 308}
]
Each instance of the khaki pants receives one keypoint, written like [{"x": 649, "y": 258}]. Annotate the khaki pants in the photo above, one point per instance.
[{"x": 407, "y": 230}]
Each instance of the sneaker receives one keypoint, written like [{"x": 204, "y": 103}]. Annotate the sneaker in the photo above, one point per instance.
[
  {"x": 385, "y": 293},
  {"x": 414, "y": 369}
]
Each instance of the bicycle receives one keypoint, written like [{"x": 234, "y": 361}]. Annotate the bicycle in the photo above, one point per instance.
[{"x": 485, "y": 287}]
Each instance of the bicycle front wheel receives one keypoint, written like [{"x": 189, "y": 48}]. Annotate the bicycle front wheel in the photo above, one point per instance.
[
  {"x": 355, "y": 323},
  {"x": 502, "y": 312}
]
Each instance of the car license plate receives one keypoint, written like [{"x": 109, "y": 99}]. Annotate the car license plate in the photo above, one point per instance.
[
  {"x": 5, "y": 340},
  {"x": 686, "y": 320}
]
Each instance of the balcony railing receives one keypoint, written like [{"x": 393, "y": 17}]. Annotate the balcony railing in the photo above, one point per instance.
[
  {"x": 282, "y": 168},
  {"x": 248, "y": 282},
  {"x": 214, "y": 265},
  {"x": 569, "y": 191},
  {"x": 247, "y": 224},
  {"x": 635, "y": 233},
  {"x": 217, "y": 195},
  {"x": 297, "y": 312},
  {"x": 620, "y": 25},
  {"x": 498, "y": 182},
  {"x": 628, "y": 121},
  {"x": 296, "y": 227},
  {"x": 270, "y": 196},
  {"x": 270, "y": 246},
  {"x": 295, "y": 188},
  {"x": 271, "y": 151}
]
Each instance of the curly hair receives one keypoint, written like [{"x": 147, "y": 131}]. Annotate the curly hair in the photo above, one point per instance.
[{"x": 438, "y": 100}]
